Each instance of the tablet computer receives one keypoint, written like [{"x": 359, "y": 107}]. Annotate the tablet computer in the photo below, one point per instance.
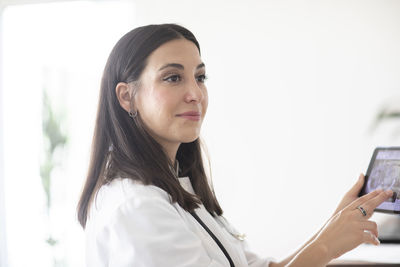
[{"x": 384, "y": 173}]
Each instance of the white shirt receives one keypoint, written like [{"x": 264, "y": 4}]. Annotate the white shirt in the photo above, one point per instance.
[{"x": 136, "y": 225}]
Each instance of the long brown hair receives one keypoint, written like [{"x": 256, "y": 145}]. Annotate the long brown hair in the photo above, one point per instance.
[{"x": 122, "y": 147}]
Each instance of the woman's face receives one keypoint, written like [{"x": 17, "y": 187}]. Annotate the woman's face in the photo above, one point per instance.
[{"x": 172, "y": 97}]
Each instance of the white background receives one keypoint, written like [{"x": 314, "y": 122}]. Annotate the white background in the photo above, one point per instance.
[{"x": 294, "y": 89}]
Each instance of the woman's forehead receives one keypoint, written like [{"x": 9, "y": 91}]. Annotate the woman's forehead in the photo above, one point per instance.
[{"x": 180, "y": 51}]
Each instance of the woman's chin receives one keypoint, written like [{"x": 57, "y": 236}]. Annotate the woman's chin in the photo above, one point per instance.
[{"x": 189, "y": 138}]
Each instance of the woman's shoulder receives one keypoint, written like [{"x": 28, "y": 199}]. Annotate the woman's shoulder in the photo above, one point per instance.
[
  {"x": 127, "y": 188},
  {"x": 120, "y": 191}
]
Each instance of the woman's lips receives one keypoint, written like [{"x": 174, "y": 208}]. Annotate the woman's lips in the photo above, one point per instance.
[{"x": 191, "y": 115}]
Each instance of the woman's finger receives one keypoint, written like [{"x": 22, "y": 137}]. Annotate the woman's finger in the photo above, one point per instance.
[
  {"x": 369, "y": 238},
  {"x": 364, "y": 198},
  {"x": 370, "y": 205},
  {"x": 369, "y": 226},
  {"x": 357, "y": 186}
]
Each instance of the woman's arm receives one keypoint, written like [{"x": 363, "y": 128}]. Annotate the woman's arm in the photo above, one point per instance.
[
  {"x": 349, "y": 197},
  {"x": 312, "y": 254},
  {"x": 307, "y": 248},
  {"x": 347, "y": 226}
]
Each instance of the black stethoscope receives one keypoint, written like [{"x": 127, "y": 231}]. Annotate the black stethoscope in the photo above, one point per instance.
[
  {"x": 176, "y": 173},
  {"x": 213, "y": 237}
]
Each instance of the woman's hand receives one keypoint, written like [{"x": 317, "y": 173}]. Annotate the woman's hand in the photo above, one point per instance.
[
  {"x": 349, "y": 228},
  {"x": 345, "y": 230},
  {"x": 351, "y": 195}
]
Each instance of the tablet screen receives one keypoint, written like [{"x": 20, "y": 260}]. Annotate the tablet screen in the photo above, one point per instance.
[{"x": 384, "y": 173}]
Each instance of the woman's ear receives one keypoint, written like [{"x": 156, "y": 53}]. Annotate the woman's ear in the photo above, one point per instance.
[{"x": 123, "y": 92}]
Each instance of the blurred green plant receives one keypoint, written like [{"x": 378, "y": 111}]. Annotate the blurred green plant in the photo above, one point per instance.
[
  {"x": 384, "y": 115},
  {"x": 390, "y": 111},
  {"x": 54, "y": 140}
]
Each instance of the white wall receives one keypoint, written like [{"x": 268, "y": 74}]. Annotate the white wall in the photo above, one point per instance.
[
  {"x": 3, "y": 248},
  {"x": 294, "y": 87}
]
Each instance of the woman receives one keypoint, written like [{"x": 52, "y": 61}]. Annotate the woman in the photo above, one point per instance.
[{"x": 146, "y": 200}]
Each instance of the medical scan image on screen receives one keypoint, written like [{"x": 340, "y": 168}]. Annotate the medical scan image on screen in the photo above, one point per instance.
[{"x": 385, "y": 174}]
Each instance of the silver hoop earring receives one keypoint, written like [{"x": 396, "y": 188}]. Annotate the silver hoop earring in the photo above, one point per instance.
[{"x": 132, "y": 115}]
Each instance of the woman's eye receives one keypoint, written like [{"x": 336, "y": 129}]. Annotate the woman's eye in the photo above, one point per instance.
[
  {"x": 201, "y": 78},
  {"x": 172, "y": 78}
]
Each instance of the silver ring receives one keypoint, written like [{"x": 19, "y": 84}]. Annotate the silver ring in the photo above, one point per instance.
[{"x": 362, "y": 210}]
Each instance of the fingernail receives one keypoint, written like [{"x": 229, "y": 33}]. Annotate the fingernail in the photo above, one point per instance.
[
  {"x": 377, "y": 240},
  {"x": 389, "y": 193}
]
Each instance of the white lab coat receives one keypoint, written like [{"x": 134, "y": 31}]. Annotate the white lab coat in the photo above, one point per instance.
[{"x": 136, "y": 225}]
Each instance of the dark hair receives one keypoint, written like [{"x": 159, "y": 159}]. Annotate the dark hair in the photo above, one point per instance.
[{"x": 122, "y": 147}]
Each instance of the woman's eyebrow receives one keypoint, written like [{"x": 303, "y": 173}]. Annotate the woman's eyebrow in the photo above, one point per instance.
[
  {"x": 175, "y": 65},
  {"x": 179, "y": 66},
  {"x": 201, "y": 65}
]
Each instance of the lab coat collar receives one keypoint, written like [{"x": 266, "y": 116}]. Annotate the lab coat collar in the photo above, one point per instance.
[{"x": 186, "y": 184}]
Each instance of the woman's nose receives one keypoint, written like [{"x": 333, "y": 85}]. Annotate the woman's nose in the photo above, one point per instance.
[{"x": 194, "y": 91}]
